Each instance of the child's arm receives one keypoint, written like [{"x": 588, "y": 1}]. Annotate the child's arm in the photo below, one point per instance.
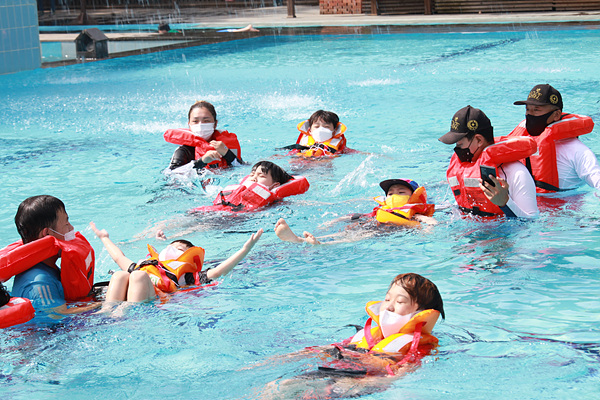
[
  {"x": 227, "y": 265},
  {"x": 116, "y": 253}
]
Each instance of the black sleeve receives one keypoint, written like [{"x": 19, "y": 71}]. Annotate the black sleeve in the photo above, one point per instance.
[
  {"x": 199, "y": 164},
  {"x": 183, "y": 155},
  {"x": 229, "y": 157}
]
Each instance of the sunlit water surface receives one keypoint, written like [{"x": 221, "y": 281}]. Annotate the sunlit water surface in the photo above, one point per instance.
[{"x": 521, "y": 297}]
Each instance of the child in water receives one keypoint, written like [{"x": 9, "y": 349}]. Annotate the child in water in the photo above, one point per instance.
[
  {"x": 202, "y": 142},
  {"x": 179, "y": 264},
  {"x": 365, "y": 362},
  {"x": 266, "y": 184},
  {"x": 405, "y": 203},
  {"x": 321, "y": 135}
]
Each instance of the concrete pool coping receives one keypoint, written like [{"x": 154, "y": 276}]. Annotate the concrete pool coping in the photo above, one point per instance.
[{"x": 274, "y": 21}]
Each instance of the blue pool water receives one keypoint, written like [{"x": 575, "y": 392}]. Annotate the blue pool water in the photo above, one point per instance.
[{"x": 521, "y": 297}]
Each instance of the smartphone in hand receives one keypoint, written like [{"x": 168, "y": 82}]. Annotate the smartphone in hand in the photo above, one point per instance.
[{"x": 486, "y": 171}]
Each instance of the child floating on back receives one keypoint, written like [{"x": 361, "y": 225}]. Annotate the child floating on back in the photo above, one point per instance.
[
  {"x": 395, "y": 337},
  {"x": 321, "y": 135},
  {"x": 179, "y": 264},
  {"x": 266, "y": 184},
  {"x": 404, "y": 204}
]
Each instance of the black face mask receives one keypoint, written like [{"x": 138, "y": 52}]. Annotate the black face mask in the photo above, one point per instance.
[
  {"x": 536, "y": 125},
  {"x": 464, "y": 155}
]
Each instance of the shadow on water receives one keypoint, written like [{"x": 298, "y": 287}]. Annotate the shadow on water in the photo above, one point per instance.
[{"x": 468, "y": 51}]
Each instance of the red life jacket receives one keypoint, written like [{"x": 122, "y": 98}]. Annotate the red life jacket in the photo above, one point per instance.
[
  {"x": 186, "y": 137},
  {"x": 464, "y": 177},
  {"x": 543, "y": 163},
  {"x": 250, "y": 195},
  {"x": 17, "y": 311},
  {"x": 76, "y": 265},
  {"x": 333, "y": 146}
]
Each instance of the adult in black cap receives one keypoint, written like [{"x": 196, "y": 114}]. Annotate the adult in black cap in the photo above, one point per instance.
[
  {"x": 473, "y": 134},
  {"x": 563, "y": 162}
]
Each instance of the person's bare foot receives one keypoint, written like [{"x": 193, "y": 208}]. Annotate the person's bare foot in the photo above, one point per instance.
[
  {"x": 283, "y": 232},
  {"x": 310, "y": 238}
]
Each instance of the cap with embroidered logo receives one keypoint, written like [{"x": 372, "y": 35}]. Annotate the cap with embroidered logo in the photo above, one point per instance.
[
  {"x": 542, "y": 95},
  {"x": 468, "y": 120}
]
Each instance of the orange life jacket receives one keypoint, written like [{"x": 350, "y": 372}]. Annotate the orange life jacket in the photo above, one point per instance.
[
  {"x": 250, "y": 195},
  {"x": 186, "y": 137},
  {"x": 464, "y": 177},
  {"x": 76, "y": 265},
  {"x": 169, "y": 275},
  {"x": 410, "y": 343},
  {"x": 335, "y": 145},
  {"x": 17, "y": 311},
  {"x": 543, "y": 163}
]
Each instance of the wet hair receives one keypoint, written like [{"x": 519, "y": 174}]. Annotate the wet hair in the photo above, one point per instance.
[
  {"x": 326, "y": 116},
  {"x": 35, "y": 214},
  {"x": 184, "y": 242},
  {"x": 203, "y": 104},
  {"x": 422, "y": 291},
  {"x": 277, "y": 173}
]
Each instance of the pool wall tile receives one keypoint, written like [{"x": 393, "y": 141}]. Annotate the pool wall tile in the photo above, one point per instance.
[
  {"x": 19, "y": 36},
  {"x": 3, "y": 17}
]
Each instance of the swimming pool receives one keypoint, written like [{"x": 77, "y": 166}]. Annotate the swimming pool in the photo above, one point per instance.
[{"x": 521, "y": 298}]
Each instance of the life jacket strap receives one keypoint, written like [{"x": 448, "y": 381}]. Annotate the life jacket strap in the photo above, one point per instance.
[
  {"x": 324, "y": 147},
  {"x": 412, "y": 351},
  {"x": 368, "y": 336},
  {"x": 397, "y": 214},
  {"x": 547, "y": 186},
  {"x": 163, "y": 275},
  {"x": 197, "y": 261},
  {"x": 235, "y": 207},
  {"x": 476, "y": 211}
]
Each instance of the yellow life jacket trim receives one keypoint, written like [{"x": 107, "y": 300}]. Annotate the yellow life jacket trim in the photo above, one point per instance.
[
  {"x": 428, "y": 317},
  {"x": 417, "y": 204}
]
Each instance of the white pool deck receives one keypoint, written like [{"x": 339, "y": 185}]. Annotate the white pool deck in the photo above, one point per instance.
[{"x": 308, "y": 16}]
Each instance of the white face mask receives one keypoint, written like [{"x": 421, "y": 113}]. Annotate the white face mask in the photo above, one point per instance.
[
  {"x": 204, "y": 131},
  {"x": 169, "y": 253},
  {"x": 321, "y": 134},
  {"x": 391, "y": 323},
  {"x": 66, "y": 236}
]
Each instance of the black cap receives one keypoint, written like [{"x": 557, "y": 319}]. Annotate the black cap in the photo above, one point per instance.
[
  {"x": 409, "y": 183},
  {"x": 542, "y": 95},
  {"x": 468, "y": 120}
]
